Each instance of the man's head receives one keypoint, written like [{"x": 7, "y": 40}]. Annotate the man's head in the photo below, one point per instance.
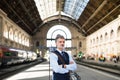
[{"x": 60, "y": 42}]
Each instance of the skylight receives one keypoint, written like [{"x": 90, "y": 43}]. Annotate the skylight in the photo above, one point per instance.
[
  {"x": 73, "y": 8},
  {"x": 46, "y": 8}
]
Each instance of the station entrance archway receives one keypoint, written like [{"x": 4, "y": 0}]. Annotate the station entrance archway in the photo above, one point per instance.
[{"x": 58, "y": 29}]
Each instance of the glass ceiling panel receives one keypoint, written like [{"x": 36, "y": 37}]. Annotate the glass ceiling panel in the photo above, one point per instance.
[
  {"x": 74, "y": 8},
  {"x": 46, "y": 8}
]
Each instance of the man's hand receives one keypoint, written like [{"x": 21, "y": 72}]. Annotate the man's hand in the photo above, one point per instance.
[
  {"x": 64, "y": 66},
  {"x": 71, "y": 62}
]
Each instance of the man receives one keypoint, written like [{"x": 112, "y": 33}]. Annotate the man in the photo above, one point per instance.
[{"x": 62, "y": 67}]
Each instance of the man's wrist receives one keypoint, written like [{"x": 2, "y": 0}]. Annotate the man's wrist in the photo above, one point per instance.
[{"x": 62, "y": 65}]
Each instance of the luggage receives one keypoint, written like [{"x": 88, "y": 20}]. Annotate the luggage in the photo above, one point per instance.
[{"x": 74, "y": 76}]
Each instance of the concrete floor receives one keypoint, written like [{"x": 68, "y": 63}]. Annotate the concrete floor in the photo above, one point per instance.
[{"x": 42, "y": 72}]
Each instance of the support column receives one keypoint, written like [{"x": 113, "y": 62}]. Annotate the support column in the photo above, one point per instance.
[{"x": 1, "y": 30}]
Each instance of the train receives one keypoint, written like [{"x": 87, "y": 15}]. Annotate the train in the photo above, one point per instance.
[{"x": 9, "y": 56}]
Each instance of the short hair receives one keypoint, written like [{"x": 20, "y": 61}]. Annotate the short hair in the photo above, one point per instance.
[{"x": 59, "y": 36}]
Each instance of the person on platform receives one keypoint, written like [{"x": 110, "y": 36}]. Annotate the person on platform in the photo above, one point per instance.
[{"x": 62, "y": 67}]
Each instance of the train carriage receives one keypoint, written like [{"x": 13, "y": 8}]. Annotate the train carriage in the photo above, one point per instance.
[
  {"x": 9, "y": 56},
  {"x": 0, "y": 57}
]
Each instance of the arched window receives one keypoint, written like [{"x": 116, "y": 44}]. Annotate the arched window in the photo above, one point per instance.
[
  {"x": 58, "y": 29},
  {"x": 97, "y": 40},
  {"x": 37, "y": 43},
  {"x": 80, "y": 44},
  {"x": 28, "y": 42},
  {"x": 112, "y": 34},
  {"x": 22, "y": 39},
  {"x": 19, "y": 37},
  {"x": 101, "y": 38},
  {"x": 5, "y": 33},
  {"x": 93, "y": 41},
  {"x": 11, "y": 34},
  {"x": 118, "y": 33},
  {"x": 106, "y": 36},
  {"x": 16, "y": 36},
  {"x": 25, "y": 41}
]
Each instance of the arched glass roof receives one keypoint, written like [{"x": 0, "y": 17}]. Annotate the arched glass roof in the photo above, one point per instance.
[
  {"x": 46, "y": 8},
  {"x": 73, "y": 8}
]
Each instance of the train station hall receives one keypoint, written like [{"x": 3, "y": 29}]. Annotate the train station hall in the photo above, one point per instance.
[{"x": 59, "y": 39}]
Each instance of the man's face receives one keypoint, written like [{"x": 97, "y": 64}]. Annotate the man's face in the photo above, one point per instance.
[{"x": 60, "y": 43}]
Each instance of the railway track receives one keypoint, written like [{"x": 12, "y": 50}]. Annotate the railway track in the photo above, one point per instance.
[{"x": 14, "y": 69}]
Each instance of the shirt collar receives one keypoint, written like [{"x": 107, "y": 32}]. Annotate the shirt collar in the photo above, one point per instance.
[{"x": 59, "y": 51}]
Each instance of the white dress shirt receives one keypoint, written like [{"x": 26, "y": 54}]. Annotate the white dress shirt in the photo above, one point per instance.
[{"x": 58, "y": 68}]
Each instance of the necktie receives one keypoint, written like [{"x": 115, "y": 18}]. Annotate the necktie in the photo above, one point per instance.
[{"x": 63, "y": 54}]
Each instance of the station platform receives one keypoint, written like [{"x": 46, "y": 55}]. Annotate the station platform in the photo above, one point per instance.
[
  {"x": 107, "y": 66},
  {"x": 37, "y": 72},
  {"x": 42, "y": 71},
  {"x": 106, "y": 63}
]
